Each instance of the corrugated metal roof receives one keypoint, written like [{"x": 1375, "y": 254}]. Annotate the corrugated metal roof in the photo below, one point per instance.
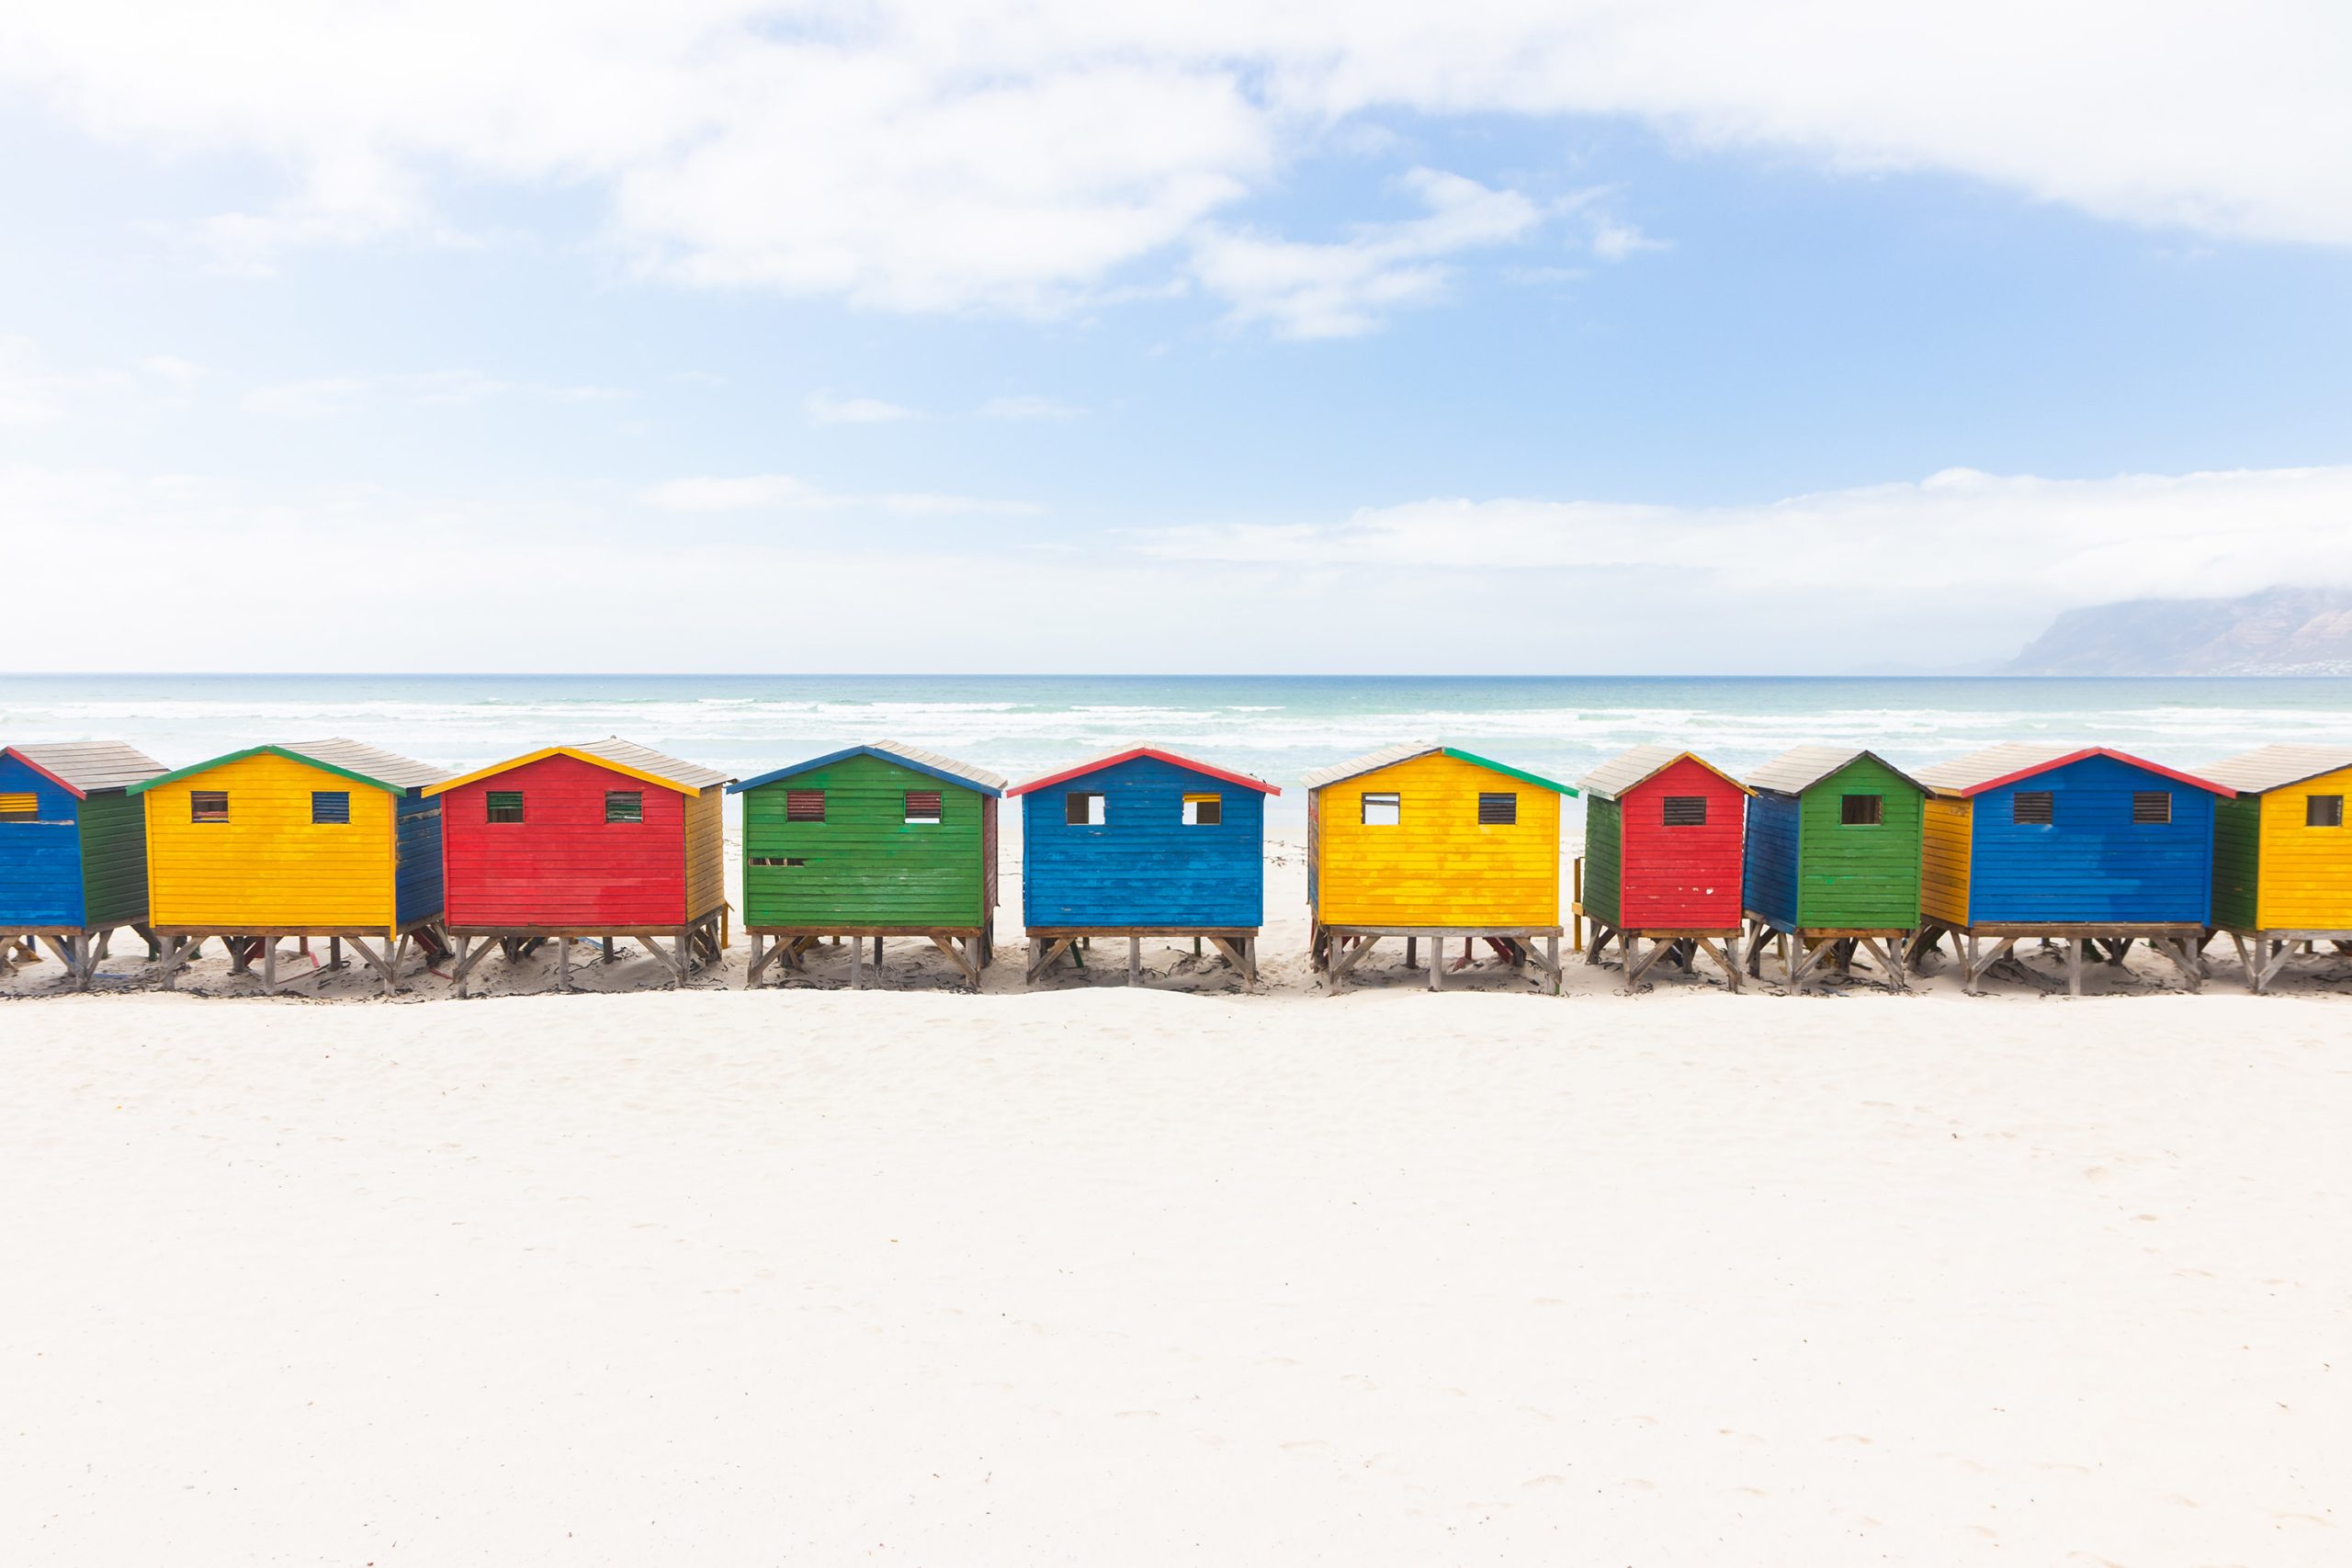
[
  {"x": 1993, "y": 762},
  {"x": 645, "y": 760},
  {"x": 938, "y": 764},
  {"x": 1800, "y": 768},
  {"x": 1371, "y": 762},
  {"x": 370, "y": 762},
  {"x": 1160, "y": 753},
  {"x": 88, "y": 765},
  {"x": 2275, "y": 767},
  {"x": 1628, "y": 768}
]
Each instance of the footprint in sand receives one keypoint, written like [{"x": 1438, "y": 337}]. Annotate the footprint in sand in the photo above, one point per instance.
[
  {"x": 1357, "y": 1380},
  {"x": 1306, "y": 1446},
  {"x": 1634, "y": 1483},
  {"x": 1545, "y": 1480},
  {"x": 1847, "y": 1437}
]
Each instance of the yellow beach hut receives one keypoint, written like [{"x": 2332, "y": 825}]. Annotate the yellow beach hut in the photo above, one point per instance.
[
  {"x": 1427, "y": 842},
  {"x": 2282, "y": 856},
  {"x": 327, "y": 839}
]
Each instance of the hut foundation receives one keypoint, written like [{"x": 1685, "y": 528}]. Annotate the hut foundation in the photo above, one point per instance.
[
  {"x": 970, "y": 948},
  {"x": 1237, "y": 947},
  {"x": 1683, "y": 947},
  {"x": 80, "y": 948},
  {"x": 1339, "y": 951},
  {"x": 697, "y": 944},
  {"x": 1806, "y": 953},
  {"x": 1981, "y": 947},
  {"x": 2264, "y": 954},
  {"x": 385, "y": 952}
]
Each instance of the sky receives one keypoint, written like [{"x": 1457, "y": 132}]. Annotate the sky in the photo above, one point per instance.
[{"x": 1677, "y": 336}]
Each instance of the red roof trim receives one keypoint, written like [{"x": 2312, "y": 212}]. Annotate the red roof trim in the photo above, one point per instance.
[
  {"x": 2071, "y": 758},
  {"x": 76, "y": 793},
  {"x": 1156, "y": 754}
]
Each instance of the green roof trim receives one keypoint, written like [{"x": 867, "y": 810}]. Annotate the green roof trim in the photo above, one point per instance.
[
  {"x": 1492, "y": 765},
  {"x": 286, "y": 752}
]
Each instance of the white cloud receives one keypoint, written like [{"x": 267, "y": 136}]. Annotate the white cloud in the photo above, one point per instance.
[
  {"x": 1025, "y": 406},
  {"x": 946, "y": 154},
  {"x": 783, "y": 493},
  {"x": 826, "y": 409}
]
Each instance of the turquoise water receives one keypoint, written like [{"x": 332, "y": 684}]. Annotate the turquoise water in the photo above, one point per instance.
[{"x": 1274, "y": 726}]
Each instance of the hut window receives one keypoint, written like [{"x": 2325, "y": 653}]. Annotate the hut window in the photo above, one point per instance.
[
  {"x": 208, "y": 805},
  {"x": 777, "y": 860},
  {"x": 24, "y": 808},
  {"x": 1686, "y": 810},
  {"x": 2033, "y": 807},
  {"x": 2153, "y": 807},
  {"x": 804, "y": 805},
  {"x": 1382, "y": 810},
  {"x": 922, "y": 805},
  {"x": 624, "y": 806},
  {"x": 1203, "y": 810},
  {"x": 1083, "y": 810},
  {"x": 503, "y": 805},
  {"x": 330, "y": 805},
  {"x": 1862, "y": 810},
  {"x": 1498, "y": 811},
  {"x": 2323, "y": 811}
]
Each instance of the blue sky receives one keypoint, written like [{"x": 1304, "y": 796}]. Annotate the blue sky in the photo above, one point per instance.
[{"x": 895, "y": 339}]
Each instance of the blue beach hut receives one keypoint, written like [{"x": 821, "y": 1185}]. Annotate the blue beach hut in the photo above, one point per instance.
[
  {"x": 72, "y": 848},
  {"x": 1143, "y": 842},
  {"x": 2092, "y": 846}
]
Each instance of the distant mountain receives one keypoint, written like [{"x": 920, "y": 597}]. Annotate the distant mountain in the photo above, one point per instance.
[{"x": 2279, "y": 631}]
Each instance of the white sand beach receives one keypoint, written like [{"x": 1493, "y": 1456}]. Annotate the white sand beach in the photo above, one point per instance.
[{"x": 1100, "y": 1276}]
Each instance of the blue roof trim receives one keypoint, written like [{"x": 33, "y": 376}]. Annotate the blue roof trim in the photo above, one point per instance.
[{"x": 943, "y": 774}]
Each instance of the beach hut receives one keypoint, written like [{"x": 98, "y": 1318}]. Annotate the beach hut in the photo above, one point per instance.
[
  {"x": 2282, "y": 858},
  {"x": 2090, "y": 847},
  {"x": 876, "y": 840},
  {"x": 603, "y": 839},
  {"x": 73, "y": 850},
  {"x": 1833, "y": 861},
  {"x": 1428, "y": 842},
  {"x": 1663, "y": 835},
  {"x": 1143, "y": 842},
  {"x": 325, "y": 838}
]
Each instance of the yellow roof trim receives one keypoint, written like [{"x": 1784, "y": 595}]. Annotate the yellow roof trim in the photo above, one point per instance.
[{"x": 542, "y": 754}]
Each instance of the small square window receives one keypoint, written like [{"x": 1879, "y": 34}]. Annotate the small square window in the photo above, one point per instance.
[
  {"x": 1203, "y": 810},
  {"x": 624, "y": 806},
  {"x": 2323, "y": 811},
  {"x": 503, "y": 806},
  {"x": 804, "y": 805},
  {"x": 2033, "y": 807},
  {"x": 1686, "y": 810},
  {"x": 208, "y": 805},
  {"x": 1382, "y": 810},
  {"x": 330, "y": 805},
  {"x": 1498, "y": 811},
  {"x": 1082, "y": 808},
  {"x": 22, "y": 807},
  {"x": 2152, "y": 807},
  {"x": 1862, "y": 810},
  {"x": 923, "y": 805}
]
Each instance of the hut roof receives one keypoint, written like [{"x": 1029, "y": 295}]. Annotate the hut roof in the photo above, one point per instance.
[
  {"x": 2275, "y": 767},
  {"x": 638, "y": 762},
  {"x": 1113, "y": 759},
  {"x": 1638, "y": 765},
  {"x": 938, "y": 764},
  {"x": 1997, "y": 765},
  {"x": 1800, "y": 768},
  {"x": 361, "y": 764},
  {"x": 83, "y": 766},
  {"x": 1389, "y": 756}
]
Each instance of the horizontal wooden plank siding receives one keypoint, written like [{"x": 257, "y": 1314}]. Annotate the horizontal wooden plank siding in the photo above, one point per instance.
[
  {"x": 269, "y": 866},
  {"x": 1943, "y": 858},
  {"x": 1143, "y": 866},
  {"x": 865, "y": 864},
  {"x": 1860, "y": 877},
  {"x": 1604, "y": 859},
  {"x": 114, "y": 860},
  {"x": 2306, "y": 871},
  {"x": 1775, "y": 832},
  {"x": 705, "y": 821},
  {"x": 2092, "y": 862},
  {"x": 563, "y": 865},
  {"x": 40, "y": 860},
  {"x": 2238, "y": 862},
  {"x": 420, "y": 880},
  {"x": 1438, "y": 864}
]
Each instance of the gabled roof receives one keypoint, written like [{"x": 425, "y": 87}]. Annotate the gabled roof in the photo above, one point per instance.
[
  {"x": 1113, "y": 759},
  {"x": 1389, "y": 756},
  {"x": 639, "y": 763},
  {"x": 1637, "y": 765},
  {"x": 944, "y": 768},
  {"x": 79, "y": 767},
  {"x": 1800, "y": 768},
  {"x": 371, "y": 765},
  {"x": 1964, "y": 777},
  {"x": 2268, "y": 768}
]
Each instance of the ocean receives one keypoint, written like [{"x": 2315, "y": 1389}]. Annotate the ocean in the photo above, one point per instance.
[{"x": 1272, "y": 725}]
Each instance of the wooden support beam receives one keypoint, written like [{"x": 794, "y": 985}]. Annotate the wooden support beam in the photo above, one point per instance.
[{"x": 1135, "y": 961}]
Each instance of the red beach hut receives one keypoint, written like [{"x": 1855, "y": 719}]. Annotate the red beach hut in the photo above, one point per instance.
[{"x": 1664, "y": 836}]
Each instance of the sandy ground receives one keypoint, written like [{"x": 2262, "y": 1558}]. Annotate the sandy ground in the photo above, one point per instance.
[{"x": 1096, "y": 1276}]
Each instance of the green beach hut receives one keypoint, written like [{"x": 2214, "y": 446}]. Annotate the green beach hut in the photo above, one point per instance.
[
  {"x": 1832, "y": 860},
  {"x": 872, "y": 842}
]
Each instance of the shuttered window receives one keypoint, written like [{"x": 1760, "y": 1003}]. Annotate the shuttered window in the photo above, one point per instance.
[
  {"x": 208, "y": 805},
  {"x": 2323, "y": 811},
  {"x": 18, "y": 808},
  {"x": 1686, "y": 810},
  {"x": 330, "y": 805},
  {"x": 503, "y": 805},
  {"x": 1382, "y": 810},
  {"x": 776, "y": 860},
  {"x": 2033, "y": 807},
  {"x": 804, "y": 805},
  {"x": 2153, "y": 807},
  {"x": 922, "y": 805},
  {"x": 1082, "y": 808},
  {"x": 1862, "y": 810},
  {"x": 1203, "y": 810},
  {"x": 1498, "y": 811},
  {"x": 624, "y": 806}
]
